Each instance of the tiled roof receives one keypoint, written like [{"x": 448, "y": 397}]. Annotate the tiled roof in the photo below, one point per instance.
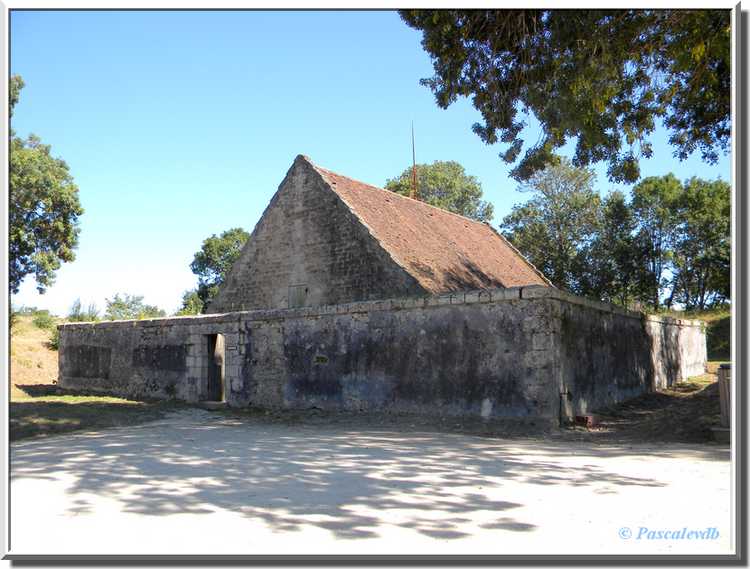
[{"x": 441, "y": 250}]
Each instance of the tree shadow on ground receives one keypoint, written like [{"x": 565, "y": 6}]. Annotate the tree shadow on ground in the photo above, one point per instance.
[
  {"x": 684, "y": 413},
  {"x": 346, "y": 481},
  {"x": 39, "y": 389},
  {"x": 32, "y": 418}
]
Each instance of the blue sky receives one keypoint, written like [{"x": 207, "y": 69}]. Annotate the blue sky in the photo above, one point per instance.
[{"x": 177, "y": 125}]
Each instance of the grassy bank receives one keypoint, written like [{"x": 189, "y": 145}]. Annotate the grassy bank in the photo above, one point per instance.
[
  {"x": 39, "y": 407},
  {"x": 718, "y": 330},
  {"x": 718, "y": 335}
]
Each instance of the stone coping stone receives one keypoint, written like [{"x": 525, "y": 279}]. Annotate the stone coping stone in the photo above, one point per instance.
[{"x": 456, "y": 298}]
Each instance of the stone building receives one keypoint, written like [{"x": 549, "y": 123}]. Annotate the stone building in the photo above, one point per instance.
[
  {"x": 351, "y": 297},
  {"x": 327, "y": 239}
]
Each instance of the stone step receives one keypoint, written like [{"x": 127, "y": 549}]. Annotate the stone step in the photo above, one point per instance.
[{"x": 212, "y": 405}]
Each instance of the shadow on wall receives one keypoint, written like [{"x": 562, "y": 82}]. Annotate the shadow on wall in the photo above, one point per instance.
[
  {"x": 342, "y": 481},
  {"x": 670, "y": 353}
]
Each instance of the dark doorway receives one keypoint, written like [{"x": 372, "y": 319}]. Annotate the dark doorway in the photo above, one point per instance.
[{"x": 215, "y": 390}]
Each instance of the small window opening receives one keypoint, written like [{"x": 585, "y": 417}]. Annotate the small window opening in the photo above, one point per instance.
[{"x": 298, "y": 295}]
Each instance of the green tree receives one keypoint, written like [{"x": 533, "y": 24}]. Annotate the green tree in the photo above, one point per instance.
[
  {"x": 447, "y": 186},
  {"x": 557, "y": 225},
  {"x": 127, "y": 307},
  {"x": 702, "y": 245},
  {"x": 610, "y": 266},
  {"x": 656, "y": 208},
  {"x": 14, "y": 92},
  {"x": 191, "y": 304},
  {"x": 602, "y": 77},
  {"x": 216, "y": 256},
  {"x": 43, "y": 209}
]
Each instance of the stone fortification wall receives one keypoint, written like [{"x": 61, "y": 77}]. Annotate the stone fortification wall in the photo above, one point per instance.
[
  {"x": 606, "y": 354},
  {"x": 531, "y": 352}
]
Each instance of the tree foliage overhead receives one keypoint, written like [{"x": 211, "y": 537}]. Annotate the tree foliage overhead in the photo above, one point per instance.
[
  {"x": 603, "y": 77},
  {"x": 43, "y": 209},
  {"x": 212, "y": 263},
  {"x": 445, "y": 185}
]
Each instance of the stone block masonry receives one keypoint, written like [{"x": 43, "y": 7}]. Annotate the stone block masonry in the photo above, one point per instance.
[
  {"x": 326, "y": 239},
  {"x": 519, "y": 353},
  {"x": 308, "y": 249}
]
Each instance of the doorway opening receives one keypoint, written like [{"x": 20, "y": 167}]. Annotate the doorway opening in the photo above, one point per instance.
[{"x": 215, "y": 377}]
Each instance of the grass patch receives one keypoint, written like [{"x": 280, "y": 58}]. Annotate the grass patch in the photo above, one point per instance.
[
  {"x": 31, "y": 360},
  {"x": 39, "y": 407},
  {"x": 718, "y": 331},
  {"x": 44, "y": 409},
  {"x": 718, "y": 335},
  {"x": 44, "y": 320},
  {"x": 51, "y": 415}
]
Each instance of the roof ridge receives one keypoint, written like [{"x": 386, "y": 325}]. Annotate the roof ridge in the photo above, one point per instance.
[{"x": 440, "y": 209}]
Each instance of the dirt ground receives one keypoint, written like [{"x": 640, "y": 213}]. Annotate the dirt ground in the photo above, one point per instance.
[
  {"x": 205, "y": 482},
  {"x": 141, "y": 477},
  {"x": 684, "y": 413}
]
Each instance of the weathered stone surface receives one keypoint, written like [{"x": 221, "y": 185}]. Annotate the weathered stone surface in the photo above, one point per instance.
[
  {"x": 308, "y": 243},
  {"x": 606, "y": 356},
  {"x": 536, "y": 355}
]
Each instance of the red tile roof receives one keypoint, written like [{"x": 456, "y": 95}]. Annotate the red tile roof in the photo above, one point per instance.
[{"x": 443, "y": 251}]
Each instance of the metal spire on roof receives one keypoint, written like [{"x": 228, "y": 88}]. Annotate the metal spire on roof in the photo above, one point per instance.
[{"x": 414, "y": 189}]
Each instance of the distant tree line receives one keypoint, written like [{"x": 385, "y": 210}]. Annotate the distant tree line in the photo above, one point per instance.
[
  {"x": 119, "y": 307},
  {"x": 667, "y": 245}
]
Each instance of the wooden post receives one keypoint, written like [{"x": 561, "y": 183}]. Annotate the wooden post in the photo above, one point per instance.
[{"x": 725, "y": 394}]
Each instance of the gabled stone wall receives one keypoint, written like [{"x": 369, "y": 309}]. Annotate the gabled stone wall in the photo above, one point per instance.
[
  {"x": 308, "y": 243},
  {"x": 522, "y": 353}
]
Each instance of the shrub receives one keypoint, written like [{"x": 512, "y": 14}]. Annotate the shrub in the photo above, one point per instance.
[
  {"x": 43, "y": 319},
  {"x": 54, "y": 341}
]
